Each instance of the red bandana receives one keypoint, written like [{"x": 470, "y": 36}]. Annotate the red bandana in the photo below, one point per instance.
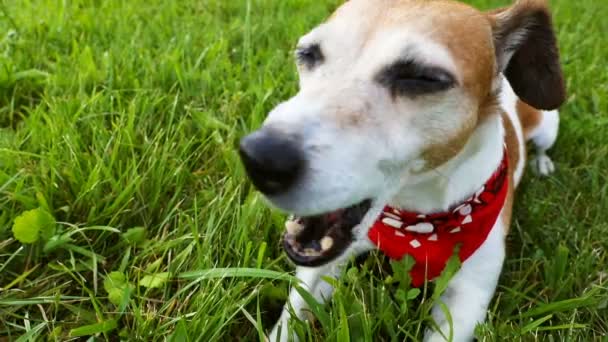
[{"x": 431, "y": 239}]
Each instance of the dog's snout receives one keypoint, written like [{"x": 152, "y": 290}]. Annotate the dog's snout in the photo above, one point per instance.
[{"x": 273, "y": 160}]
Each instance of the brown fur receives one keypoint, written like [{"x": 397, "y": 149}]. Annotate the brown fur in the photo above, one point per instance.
[
  {"x": 512, "y": 142},
  {"x": 529, "y": 116},
  {"x": 467, "y": 35},
  {"x": 514, "y": 160},
  {"x": 440, "y": 153},
  {"x": 507, "y": 209}
]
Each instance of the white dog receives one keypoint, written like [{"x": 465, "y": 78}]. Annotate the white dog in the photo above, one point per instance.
[{"x": 407, "y": 135}]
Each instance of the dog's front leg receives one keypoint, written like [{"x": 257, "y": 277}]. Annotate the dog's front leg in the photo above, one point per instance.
[
  {"x": 310, "y": 280},
  {"x": 470, "y": 291}
]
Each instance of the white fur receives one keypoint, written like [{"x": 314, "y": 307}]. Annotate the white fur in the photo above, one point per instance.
[
  {"x": 543, "y": 136},
  {"x": 471, "y": 290},
  {"x": 464, "y": 178},
  {"x": 310, "y": 280},
  {"x": 453, "y": 182}
]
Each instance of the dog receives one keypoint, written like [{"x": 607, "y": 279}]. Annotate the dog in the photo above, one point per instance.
[{"x": 408, "y": 136}]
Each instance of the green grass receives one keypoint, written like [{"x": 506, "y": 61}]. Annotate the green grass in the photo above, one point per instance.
[{"x": 123, "y": 114}]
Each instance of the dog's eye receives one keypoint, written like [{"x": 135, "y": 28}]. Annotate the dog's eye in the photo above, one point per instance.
[
  {"x": 309, "y": 56},
  {"x": 410, "y": 79}
]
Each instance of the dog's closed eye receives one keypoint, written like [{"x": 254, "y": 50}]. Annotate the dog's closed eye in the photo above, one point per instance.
[
  {"x": 410, "y": 78},
  {"x": 309, "y": 56}
]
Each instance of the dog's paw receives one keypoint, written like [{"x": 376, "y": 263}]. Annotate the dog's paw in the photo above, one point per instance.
[{"x": 542, "y": 165}]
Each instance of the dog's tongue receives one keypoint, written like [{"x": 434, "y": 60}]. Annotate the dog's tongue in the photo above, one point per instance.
[{"x": 316, "y": 240}]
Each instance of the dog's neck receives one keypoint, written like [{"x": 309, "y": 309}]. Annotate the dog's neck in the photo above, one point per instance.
[{"x": 439, "y": 189}]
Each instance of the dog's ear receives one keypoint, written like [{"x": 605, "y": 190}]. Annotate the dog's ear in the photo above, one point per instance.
[{"x": 527, "y": 53}]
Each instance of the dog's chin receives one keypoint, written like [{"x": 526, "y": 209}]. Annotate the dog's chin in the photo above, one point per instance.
[{"x": 316, "y": 240}]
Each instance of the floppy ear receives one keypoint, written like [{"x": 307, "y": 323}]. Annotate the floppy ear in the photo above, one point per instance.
[{"x": 527, "y": 53}]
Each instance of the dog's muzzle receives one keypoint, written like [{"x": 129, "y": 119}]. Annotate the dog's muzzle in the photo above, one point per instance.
[{"x": 275, "y": 163}]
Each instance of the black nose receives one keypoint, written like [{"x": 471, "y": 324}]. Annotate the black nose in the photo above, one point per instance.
[{"x": 273, "y": 160}]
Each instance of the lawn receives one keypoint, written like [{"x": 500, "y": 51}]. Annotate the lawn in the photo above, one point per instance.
[{"x": 120, "y": 119}]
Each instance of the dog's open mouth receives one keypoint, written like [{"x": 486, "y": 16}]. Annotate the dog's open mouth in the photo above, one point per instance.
[{"x": 316, "y": 240}]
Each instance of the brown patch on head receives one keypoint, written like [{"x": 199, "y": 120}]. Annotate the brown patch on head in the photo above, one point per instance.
[
  {"x": 467, "y": 34},
  {"x": 529, "y": 116},
  {"x": 463, "y": 30}
]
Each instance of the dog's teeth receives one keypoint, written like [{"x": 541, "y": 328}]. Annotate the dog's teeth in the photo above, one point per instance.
[
  {"x": 326, "y": 243},
  {"x": 310, "y": 252},
  {"x": 293, "y": 227}
]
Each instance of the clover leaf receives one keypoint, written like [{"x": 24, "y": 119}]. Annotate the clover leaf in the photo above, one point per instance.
[{"x": 33, "y": 225}]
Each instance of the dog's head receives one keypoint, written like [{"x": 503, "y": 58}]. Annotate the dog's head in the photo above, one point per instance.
[{"x": 390, "y": 88}]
